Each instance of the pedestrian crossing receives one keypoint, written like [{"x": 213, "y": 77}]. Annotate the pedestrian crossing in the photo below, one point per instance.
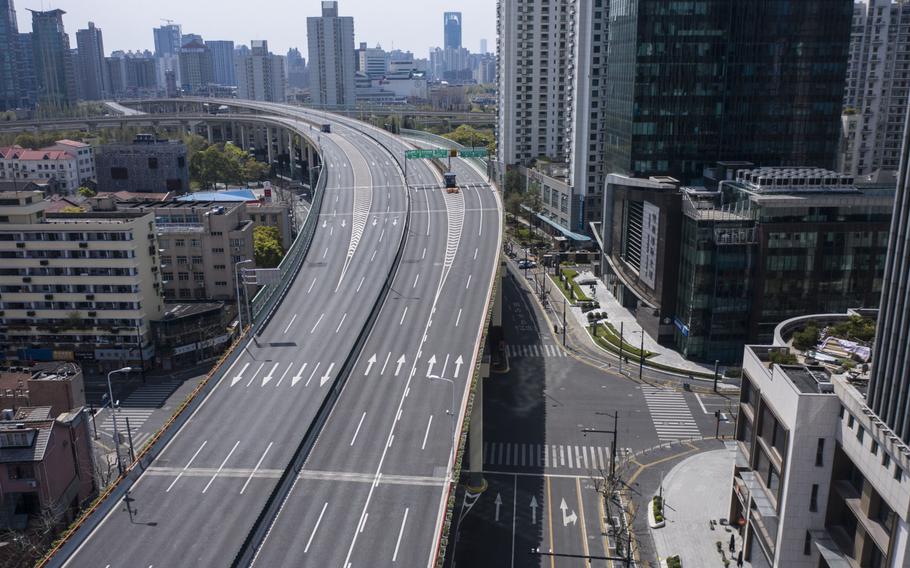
[
  {"x": 547, "y": 456},
  {"x": 670, "y": 414},
  {"x": 137, "y": 408},
  {"x": 541, "y": 350}
]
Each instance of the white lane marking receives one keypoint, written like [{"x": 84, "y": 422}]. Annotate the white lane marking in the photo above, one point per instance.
[
  {"x": 290, "y": 323},
  {"x": 387, "y": 357},
  {"x": 186, "y": 467},
  {"x": 458, "y": 319},
  {"x": 701, "y": 404},
  {"x": 311, "y": 285},
  {"x": 312, "y": 331},
  {"x": 341, "y": 323},
  {"x": 400, "y": 534},
  {"x": 403, "y": 315},
  {"x": 307, "y": 383},
  {"x": 469, "y": 282},
  {"x": 361, "y": 283},
  {"x": 429, "y": 217},
  {"x": 284, "y": 374},
  {"x": 475, "y": 254},
  {"x": 325, "y": 252},
  {"x": 427, "y": 433},
  {"x": 315, "y": 528},
  {"x": 253, "y": 378},
  {"x": 255, "y": 469},
  {"x": 357, "y": 431},
  {"x": 332, "y": 230},
  {"x": 364, "y": 523},
  {"x": 239, "y": 376},
  {"x": 415, "y": 280},
  {"x": 237, "y": 443},
  {"x": 374, "y": 255},
  {"x": 424, "y": 255}
]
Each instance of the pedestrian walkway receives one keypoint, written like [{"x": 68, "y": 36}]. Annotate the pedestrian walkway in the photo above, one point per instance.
[
  {"x": 537, "y": 350},
  {"x": 697, "y": 491},
  {"x": 670, "y": 414},
  {"x": 151, "y": 395},
  {"x": 619, "y": 316},
  {"x": 550, "y": 457}
]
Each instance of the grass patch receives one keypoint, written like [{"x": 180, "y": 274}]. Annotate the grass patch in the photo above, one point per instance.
[
  {"x": 608, "y": 333},
  {"x": 674, "y": 562},
  {"x": 570, "y": 284}
]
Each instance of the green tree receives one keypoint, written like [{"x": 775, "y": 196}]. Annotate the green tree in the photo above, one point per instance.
[
  {"x": 86, "y": 192},
  {"x": 267, "y": 247},
  {"x": 225, "y": 163},
  {"x": 467, "y": 135}
]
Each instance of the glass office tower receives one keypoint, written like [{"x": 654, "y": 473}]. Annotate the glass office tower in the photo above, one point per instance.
[{"x": 693, "y": 83}]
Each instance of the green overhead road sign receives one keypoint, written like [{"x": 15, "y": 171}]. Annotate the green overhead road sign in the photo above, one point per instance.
[
  {"x": 426, "y": 154},
  {"x": 475, "y": 153}
]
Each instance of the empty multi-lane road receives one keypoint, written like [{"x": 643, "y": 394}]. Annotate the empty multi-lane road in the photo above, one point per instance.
[{"x": 374, "y": 486}]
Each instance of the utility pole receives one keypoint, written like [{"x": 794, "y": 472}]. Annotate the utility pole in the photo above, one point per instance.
[
  {"x": 716, "y": 363},
  {"x": 641, "y": 356},
  {"x": 621, "y": 326},
  {"x": 564, "y": 305},
  {"x": 614, "y": 432},
  {"x": 129, "y": 435}
]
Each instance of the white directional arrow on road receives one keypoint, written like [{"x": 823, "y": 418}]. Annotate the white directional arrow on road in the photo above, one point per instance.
[
  {"x": 374, "y": 221},
  {"x": 432, "y": 363},
  {"x": 371, "y": 361},
  {"x": 566, "y": 519},
  {"x": 498, "y": 503},
  {"x": 299, "y": 376},
  {"x": 239, "y": 376},
  {"x": 399, "y": 363},
  {"x": 533, "y": 510},
  {"x": 324, "y": 223},
  {"x": 270, "y": 376},
  {"x": 458, "y": 363},
  {"x": 395, "y": 222},
  {"x": 325, "y": 378}
]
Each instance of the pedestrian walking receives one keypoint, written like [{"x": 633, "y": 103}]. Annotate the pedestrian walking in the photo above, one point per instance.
[
  {"x": 739, "y": 559},
  {"x": 732, "y": 543}
]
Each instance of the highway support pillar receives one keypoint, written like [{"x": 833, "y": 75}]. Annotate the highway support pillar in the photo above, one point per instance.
[
  {"x": 208, "y": 132},
  {"x": 475, "y": 435},
  {"x": 268, "y": 143}
]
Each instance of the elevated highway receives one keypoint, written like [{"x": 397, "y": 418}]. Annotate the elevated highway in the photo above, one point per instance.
[{"x": 333, "y": 438}]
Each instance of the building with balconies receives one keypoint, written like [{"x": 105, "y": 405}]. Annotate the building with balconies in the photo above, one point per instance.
[
  {"x": 77, "y": 286},
  {"x": 820, "y": 479}
]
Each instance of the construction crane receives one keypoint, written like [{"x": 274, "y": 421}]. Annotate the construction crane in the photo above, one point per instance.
[{"x": 169, "y": 22}]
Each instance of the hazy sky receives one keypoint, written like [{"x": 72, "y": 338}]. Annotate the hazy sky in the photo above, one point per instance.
[{"x": 414, "y": 25}]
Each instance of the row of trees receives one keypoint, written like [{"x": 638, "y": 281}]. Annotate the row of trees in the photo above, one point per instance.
[{"x": 225, "y": 163}]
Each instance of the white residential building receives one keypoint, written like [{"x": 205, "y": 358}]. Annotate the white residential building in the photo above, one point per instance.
[
  {"x": 20, "y": 163},
  {"x": 330, "y": 40},
  {"x": 85, "y": 157},
  {"x": 261, "y": 75},
  {"x": 550, "y": 62},
  {"x": 82, "y": 285},
  {"x": 875, "y": 100}
]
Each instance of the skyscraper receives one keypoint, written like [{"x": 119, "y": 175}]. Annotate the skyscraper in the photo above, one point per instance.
[
  {"x": 451, "y": 22},
  {"x": 9, "y": 51},
  {"x": 223, "y": 62},
  {"x": 196, "y": 68},
  {"x": 56, "y": 80},
  {"x": 261, "y": 75},
  {"x": 876, "y": 98},
  {"x": 90, "y": 66},
  {"x": 297, "y": 75},
  {"x": 28, "y": 84},
  {"x": 483, "y": 47},
  {"x": 167, "y": 40},
  {"x": 720, "y": 80},
  {"x": 331, "y": 50},
  {"x": 889, "y": 384}
]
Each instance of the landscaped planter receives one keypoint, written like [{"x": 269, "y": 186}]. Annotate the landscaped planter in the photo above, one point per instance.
[{"x": 656, "y": 513}]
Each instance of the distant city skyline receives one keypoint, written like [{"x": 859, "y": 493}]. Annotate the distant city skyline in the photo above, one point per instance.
[{"x": 128, "y": 25}]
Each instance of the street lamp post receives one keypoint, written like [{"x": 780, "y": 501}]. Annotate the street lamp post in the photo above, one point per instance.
[
  {"x": 110, "y": 394},
  {"x": 451, "y": 410},
  {"x": 614, "y": 432},
  {"x": 237, "y": 288}
]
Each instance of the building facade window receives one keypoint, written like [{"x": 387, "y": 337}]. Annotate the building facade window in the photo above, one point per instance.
[{"x": 820, "y": 453}]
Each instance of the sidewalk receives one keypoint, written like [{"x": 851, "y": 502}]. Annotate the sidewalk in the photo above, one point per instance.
[
  {"x": 617, "y": 314},
  {"x": 696, "y": 491}
]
